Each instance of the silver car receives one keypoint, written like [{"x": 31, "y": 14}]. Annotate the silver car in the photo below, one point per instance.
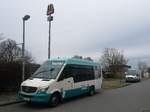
[{"x": 132, "y": 76}]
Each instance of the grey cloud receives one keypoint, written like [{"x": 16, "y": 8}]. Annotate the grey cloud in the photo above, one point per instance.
[{"x": 83, "y": 27}]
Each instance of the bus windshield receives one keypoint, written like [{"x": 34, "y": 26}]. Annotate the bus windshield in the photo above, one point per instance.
[{"x": 49, "y": 70}]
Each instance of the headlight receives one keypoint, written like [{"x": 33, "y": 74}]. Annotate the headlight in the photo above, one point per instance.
[{"x": 43, "y": 89}]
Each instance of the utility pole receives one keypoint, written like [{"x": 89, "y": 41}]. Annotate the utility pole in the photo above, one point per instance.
[
  {"x": 50, "y": 11},
  {"x": 25, "y": 18}
]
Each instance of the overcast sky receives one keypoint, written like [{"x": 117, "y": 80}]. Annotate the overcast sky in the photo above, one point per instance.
[{"x": 83, "y": 27}]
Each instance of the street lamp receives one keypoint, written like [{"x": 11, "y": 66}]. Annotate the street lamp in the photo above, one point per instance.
[
  {"x": 25, "y": 18},
  {"x": 50, "y": 11}
]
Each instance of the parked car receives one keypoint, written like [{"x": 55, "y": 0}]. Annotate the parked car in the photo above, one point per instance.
[{"x": 132, "y": 76}]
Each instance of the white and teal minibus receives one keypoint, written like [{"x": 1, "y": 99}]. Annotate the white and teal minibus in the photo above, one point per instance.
[{"x": 59, "y": 79}]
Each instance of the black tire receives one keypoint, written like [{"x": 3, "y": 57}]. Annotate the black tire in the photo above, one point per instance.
[
  {"x": 139, "y": 80},
  {"x": 29, "y": 103},
  {"x": 54, "y": 100},
  {"x": 91, "y": 91}
]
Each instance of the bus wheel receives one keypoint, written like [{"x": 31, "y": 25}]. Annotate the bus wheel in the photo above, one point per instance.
[
  {"x": 55, "y": 100},
  {"x": 29, "y": 102},
  {"x": 92, "y": 91}
]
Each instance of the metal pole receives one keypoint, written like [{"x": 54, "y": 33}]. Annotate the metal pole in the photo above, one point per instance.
[
  {"x": 23, "y": 47},
  {"x": 49, "y": 40}
]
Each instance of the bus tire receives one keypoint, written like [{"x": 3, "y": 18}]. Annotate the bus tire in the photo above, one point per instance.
[
  {"x": 28, "y": 102},
  {"x": 55, "y": 100},
  {"x": 91, "y": 91}
]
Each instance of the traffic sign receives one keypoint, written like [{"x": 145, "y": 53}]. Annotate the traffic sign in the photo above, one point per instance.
[{"x": 50, "y": 9}]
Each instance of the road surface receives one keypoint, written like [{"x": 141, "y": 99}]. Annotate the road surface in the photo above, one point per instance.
[{"x": 133, "y": 98}]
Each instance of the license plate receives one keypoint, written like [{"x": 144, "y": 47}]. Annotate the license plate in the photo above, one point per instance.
[{"x": 26, "y": 99}]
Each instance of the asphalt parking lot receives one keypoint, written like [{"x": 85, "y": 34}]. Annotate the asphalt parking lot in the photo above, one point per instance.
[{"x": 133, "y": 98}]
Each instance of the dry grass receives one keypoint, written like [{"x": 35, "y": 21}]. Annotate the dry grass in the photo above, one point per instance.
[{"x": 113, "y": 83}]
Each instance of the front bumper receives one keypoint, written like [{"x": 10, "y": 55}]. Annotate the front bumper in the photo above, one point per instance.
[
  {"x": 130, "y": 79},
  {"x": 38, "y": 97}
]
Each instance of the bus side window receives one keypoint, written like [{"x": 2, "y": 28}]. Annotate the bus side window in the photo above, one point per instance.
[
  {"x": 66, "y": 73},
  {"x": 83, "y": 73}
]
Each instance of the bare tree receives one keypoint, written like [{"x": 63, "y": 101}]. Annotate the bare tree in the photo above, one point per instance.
[
  {"x": 142, "y": 67},
  {"x": 77, "y": 57},
  {"x": 88, "y": 58},
  {"x": 113, "y": 60},
  {"x": 81, "y": 57},
  {"x": 28, "y": 57},
  {"x": 9, "y": 51},
  {"x": 112, "y": 56}
]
